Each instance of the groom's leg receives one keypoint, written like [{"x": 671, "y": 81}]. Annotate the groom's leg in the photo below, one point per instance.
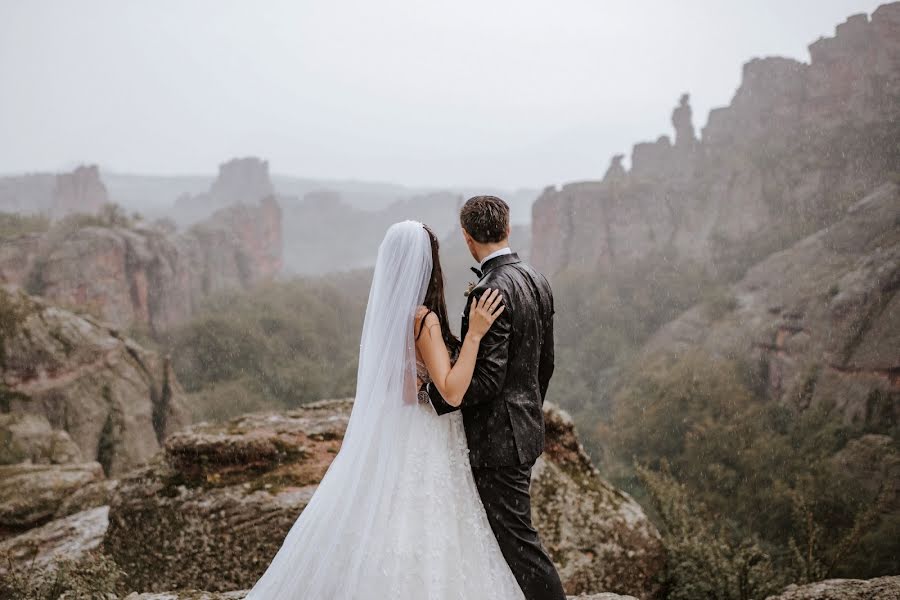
[{"x": 506, "y": 497}]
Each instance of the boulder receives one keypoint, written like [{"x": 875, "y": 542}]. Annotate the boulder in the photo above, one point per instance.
[
  {"x": 219, "y": 499},
  {"x": 198, "y": 595},
  {"x": 188, "y": 595},
  {"x": 69, "y": 538},
  {"x": 880, "y": 588},
  {"x": 31, "y": 495},
  {"x": 599, "y": 537},
  {"x": 69, "y": 378},
  {"x": 30, "y": 438}
]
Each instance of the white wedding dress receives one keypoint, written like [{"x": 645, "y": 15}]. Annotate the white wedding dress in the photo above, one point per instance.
[{"x": 397, "y": 515}]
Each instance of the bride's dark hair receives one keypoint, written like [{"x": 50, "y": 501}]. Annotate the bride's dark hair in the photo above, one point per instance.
[{"x": 434, "y": 297}]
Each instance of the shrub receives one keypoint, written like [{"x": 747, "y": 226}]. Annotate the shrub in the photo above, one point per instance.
[
  {"x": 702, "y": 561},
  {"x": 280, "y": 345},
  {"x": 750, "y": 460},
  {"x": 15, "y": 224}
]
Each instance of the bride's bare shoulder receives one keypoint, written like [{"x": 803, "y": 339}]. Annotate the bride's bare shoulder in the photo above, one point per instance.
[{"x": 430, "y": 318}]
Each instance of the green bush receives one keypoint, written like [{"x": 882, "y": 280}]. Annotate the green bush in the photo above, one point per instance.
[
  {"x": 15, "y": 224},
  {"x": 277, "y": 346},
  {"x": 702, "y": 559},
  {"x": 707, "y": 557},
  {"x": 601, "y": 320},
  {"x": 749, "y": 460}
]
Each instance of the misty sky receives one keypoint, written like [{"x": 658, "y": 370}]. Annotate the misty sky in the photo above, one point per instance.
[{"x": 495, "y": 92}]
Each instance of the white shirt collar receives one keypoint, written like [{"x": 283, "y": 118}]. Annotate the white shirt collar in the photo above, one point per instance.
[{"x": 495, "y": 254}]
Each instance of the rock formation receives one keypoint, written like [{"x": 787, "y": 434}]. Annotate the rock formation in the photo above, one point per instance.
[
  {"x": 81, "y": 191},
  {"x": 74, "y": 390},
  {"x": 798, "y": 144},
  {"x": 880, "y": 588},
  {"x": 220, "y": 499},
  {"x": 820, "y": 320},
  {"x": 240, "y": 181},
  {"x": 137, "y": 274},
  {"x": 198, "y": 595},
  {"x": 682, "y": 121},
  {"x": 70, "y": 537},
  {"x": 31, "y": 495}
]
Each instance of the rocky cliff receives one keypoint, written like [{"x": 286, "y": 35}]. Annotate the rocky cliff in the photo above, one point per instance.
[
  {"x": 239, "y": 181},
  {"x": 819, "y": 322},
  {"x": 219, "y": 500},
  {"x": 798, "y": 144},
  {"x": 132, "y": 273},
  {"x": 74, "y": 393},
  {"x": 882, "y": 588},
  {"x": 198, "y": 595}
]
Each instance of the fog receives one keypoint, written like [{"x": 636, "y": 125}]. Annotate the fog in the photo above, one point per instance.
[{"x": 504, "y": 93}]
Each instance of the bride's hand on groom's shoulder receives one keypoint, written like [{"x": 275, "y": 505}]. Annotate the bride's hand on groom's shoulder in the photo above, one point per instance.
[{"x": 483, "y": 312}]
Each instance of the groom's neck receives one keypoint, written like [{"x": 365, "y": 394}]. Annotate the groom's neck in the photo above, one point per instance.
[{"x": 484, "y": 250}]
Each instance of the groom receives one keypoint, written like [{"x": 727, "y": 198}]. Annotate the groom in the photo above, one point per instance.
[{"x": 502, "y": 408}]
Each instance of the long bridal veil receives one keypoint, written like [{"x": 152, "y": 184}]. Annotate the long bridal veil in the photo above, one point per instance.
[{"x": 352, "y": 507}]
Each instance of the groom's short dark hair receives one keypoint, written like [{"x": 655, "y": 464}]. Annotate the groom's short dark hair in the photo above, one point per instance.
[{"x": 485, "y": 218}]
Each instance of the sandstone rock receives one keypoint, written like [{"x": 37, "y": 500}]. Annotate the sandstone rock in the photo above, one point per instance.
[
  {"x": 18, "y": 256},
  {"x": 189, "y": 595},
  {"x": 31, "y": 495},
  {"x": 197, "y": 595},
  {"x": 29, "y": 438},
  {"x": 114, "y": 399},
  {"x": 80, "y": 191},
  {"x": 239, "y": 181},
  {"x": 242, "y": 180},
  {"x": 238, "y": 246},
  {"x": 140, "y": 274},
  {"x": 219, "y": 509},
  {"x": 682, "y": 121},
  {"x": 66, "y": 538},
  {"x": 821, "y": 319},
  {"x": 880, "y": 588},
  {"x": 219, "y": 500},
  {"x": 599, "y": 537},
  {"x": 797, "y": 145},
  {"x": 92, "y": 495},
  {"x": 615, "y": 173},
  {"x": 55, "y": 195}
]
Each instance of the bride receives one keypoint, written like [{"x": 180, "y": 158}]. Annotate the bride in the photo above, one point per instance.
[{"x": 398, "y": 515}]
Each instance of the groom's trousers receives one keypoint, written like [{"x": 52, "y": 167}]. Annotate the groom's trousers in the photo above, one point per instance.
[{"x": 506, "y": 497}]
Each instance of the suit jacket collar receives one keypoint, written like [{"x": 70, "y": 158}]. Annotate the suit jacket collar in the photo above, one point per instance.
[{"x": 497, "y": 261}]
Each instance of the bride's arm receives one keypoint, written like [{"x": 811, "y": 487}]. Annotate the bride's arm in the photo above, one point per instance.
[{"x": 453, "y": 381}]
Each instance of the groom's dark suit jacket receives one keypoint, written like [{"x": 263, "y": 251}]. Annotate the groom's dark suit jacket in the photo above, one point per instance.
[{"x": 502, "y": 410}]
